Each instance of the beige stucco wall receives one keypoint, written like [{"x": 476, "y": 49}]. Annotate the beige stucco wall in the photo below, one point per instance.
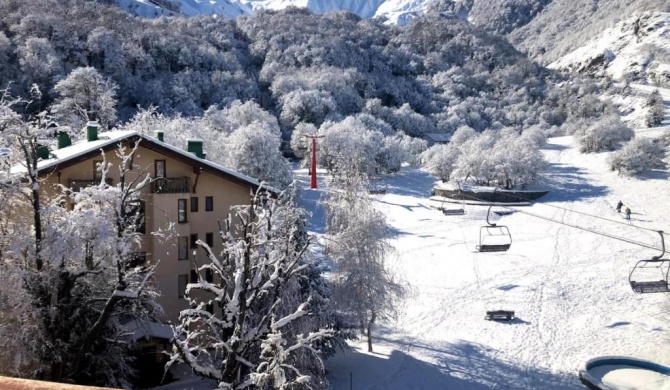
[{"x": 161, "y": 211}]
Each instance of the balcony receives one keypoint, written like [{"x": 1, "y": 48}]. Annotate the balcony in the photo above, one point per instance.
[
  {"x": 174, "y": 185},
  {"x": 77, "y": 185}
]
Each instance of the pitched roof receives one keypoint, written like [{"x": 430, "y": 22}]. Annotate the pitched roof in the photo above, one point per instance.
[
  {"x": 438, "y": 137},
  {"x": 84, "y": 150}
]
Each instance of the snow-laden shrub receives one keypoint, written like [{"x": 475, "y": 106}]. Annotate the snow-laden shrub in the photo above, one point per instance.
[
  {"x": 440, "y": 160},
  {"x": 637, "y": 156},
  {"x": 462, "y": 134},
  {"x": 535, "y": 135},
  {"x": 656, "y": 110},
  {"x": 606, "y": 134},
  {"x": 398, "y": 149}
]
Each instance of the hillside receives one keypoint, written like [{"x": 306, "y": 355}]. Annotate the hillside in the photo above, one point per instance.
[
  {"x": 565, "y": 25},
  {"x": 634, "y": 49}
]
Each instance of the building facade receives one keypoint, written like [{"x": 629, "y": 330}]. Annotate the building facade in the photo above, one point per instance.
[{"x": 186, "y": 192}]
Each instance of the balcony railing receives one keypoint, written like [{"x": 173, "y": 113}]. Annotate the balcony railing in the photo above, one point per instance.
[
  {"x": 174, "y": 185},
  {"x": 77, "y": 185}
]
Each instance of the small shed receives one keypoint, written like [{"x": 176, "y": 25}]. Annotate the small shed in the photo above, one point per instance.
[{"x": 437, "y": 138}]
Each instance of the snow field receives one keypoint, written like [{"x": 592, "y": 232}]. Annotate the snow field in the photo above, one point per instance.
[{"x": 568, "y": 287}]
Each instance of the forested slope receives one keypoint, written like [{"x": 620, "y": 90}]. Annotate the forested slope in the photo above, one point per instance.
[{"x": 436, "y": 74}]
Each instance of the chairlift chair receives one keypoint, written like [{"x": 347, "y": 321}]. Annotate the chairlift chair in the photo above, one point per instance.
[
  {"x": 456, "y": 211},
  {"x": 651, "y": 276},
  {"x": 493, "y": 237}
]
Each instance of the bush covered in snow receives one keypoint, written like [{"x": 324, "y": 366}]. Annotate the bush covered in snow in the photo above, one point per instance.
[
  {"x": 355, "y": 143},
  {"x": 606, "y": 134},
  {"x": 656, "y": 109},
  {"x": 637, "y": 156},
  {"x": 504, "y": 158}
]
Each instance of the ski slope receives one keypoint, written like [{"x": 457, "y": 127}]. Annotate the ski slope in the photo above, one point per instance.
[{"x": 568, "y": 287}]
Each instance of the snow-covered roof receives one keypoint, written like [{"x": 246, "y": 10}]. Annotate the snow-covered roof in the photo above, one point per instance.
[
  {"x": 438, "y": 137},
  {"x": 106, "y": 139}
]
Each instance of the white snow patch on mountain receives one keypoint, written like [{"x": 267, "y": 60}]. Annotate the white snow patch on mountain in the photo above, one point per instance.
[
  {"x": 637, "y": 48},
  {"x": 152, "y": 9},
  {"x": 397, "y": 11}
]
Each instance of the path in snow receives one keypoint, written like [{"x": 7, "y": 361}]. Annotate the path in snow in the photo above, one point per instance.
[{"x": 568, "y": 287}]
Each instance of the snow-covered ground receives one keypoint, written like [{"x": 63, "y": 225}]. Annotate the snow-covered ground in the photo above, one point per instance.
[{"x": 568, "y": 287}]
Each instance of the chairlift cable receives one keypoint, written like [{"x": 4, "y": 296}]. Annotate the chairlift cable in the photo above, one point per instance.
[
  {"x": 583, "y": 213},
  {"x": 571, "y": 225}
]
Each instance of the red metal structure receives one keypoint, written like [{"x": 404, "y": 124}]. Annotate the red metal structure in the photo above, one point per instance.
[{"x": 313, "y": 166}]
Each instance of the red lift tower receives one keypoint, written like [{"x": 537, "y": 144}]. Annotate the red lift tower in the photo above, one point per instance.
[{"x": 313, "y": 166}]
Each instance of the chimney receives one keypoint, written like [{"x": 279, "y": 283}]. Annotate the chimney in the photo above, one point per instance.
[
  {"x": 194, "y": 145},
  {"x": 92, "y": 131},
  {"x": 42, "y": 151},
  {"x": 160, "y": 135},
  {"x": 64, "y": 140}
]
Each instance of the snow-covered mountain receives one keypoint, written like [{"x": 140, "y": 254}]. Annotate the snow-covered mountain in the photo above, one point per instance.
[
  {"x": 637, "y": 48},
  {"x": 155, "y": 8},
  {"x": 397, "y": 11}
]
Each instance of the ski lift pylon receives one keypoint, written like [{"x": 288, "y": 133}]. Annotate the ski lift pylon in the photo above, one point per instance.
[
  {"x": 493, "y": 237},
  {"x": 651, "y": 276}
]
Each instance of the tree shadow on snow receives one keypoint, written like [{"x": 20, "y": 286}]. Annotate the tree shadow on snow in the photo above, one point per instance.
[
  {"x": 460, "y": 365},
  {"x": 556, "y": 147},
  {"x": 569, "y": 184},
  {"x": 410, "y": 182},
  {"x": 654, "y": 174}
]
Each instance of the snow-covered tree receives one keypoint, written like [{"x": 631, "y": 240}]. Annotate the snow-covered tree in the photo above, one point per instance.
[
  {"x": 656, "y": 109},
  {"x": 637, "y": 156},
  {"x": 440, "y": 160},
  {"x": 70, "y": 275},
  {"x": 299, "y": 144},
  {"x": 83, "y": 96},
  {"x": 364, "y": 289},
  {"x": 462, "y": 134},
  {"x": 251, "y": 319},
  {"x": 254, "y": 151},
  {"x": 349, "y": 145},
  {"x": 606, "y": 134}
]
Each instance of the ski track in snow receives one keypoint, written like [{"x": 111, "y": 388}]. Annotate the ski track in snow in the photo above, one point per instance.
[{"x": 569, "y": 288}]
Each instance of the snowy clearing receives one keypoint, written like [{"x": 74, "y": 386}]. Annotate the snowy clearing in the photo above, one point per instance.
[{"x": 569, "y": 288}]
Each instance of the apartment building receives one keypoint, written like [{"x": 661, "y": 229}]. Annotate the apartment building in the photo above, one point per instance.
[{"x": 188, "y": 191}]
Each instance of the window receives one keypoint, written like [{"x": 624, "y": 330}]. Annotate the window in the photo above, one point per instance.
[
  {"x": 209, "y": 275},
  {"x": 182, "y": 251},
  {"x": 159, "y": 165},
  {"x": 209, "y": 203},
  {"x": 194, "y": 204},
  {"x": 194, "y": 276},
  {"x": 194, "y": 241},
  {"x": 181, "y": 211},
  {"x": 209, "y": 239},
  {"x": 210, "y": 308},
  {"x": 97, "y": 173},
  {"x": 182, "y": 281}
]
